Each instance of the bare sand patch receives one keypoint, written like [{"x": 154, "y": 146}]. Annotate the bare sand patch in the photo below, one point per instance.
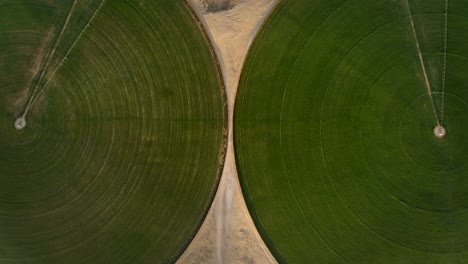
[{"x": 228, "y": 234}]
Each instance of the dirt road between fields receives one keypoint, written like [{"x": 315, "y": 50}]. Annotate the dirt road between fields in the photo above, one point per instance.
[{"x": 228, "y": 234}]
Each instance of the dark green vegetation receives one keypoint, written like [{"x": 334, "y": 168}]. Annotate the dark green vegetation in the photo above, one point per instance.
[
  {"x": 122, "y": 151},
  {"x": 334, "y": 132}
]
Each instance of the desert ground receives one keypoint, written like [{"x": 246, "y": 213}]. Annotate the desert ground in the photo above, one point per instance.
[{"x": 228, "y": 234}]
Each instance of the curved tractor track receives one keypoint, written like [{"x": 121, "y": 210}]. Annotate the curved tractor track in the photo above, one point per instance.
[
  {"x": 125, "y": 131},
  {"x": 338, "y": 154}
]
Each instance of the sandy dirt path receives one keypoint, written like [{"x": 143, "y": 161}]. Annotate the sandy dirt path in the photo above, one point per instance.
[{"x": 228, "y": 234}]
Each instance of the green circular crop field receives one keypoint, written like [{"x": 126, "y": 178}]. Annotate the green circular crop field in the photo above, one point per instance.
[
  {"x": 334, "y": 131},
  {"x": 125, "y": 130}
]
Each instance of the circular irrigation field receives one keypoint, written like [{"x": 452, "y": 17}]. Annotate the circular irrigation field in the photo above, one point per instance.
[
  {"x": 120, "y": 130},
  {"x": 335, "y": 131}
]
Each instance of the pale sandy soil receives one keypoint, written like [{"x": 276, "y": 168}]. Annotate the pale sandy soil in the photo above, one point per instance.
[{"x": 228, "y": 234}]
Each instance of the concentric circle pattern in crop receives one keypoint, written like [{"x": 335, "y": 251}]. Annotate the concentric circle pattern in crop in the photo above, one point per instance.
[
  {"x": 334, "y": 131},
  {"x": 125, "y": 135}
]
